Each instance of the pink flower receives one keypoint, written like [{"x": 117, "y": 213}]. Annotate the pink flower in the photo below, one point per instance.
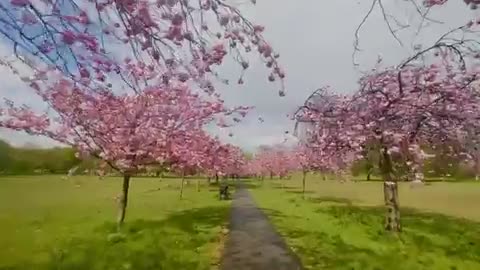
[
  {"x": 258, "y": 28},
  {"x": 224, "y": 20},
  {"x": 29, "y": 18},
  {"x": 20, "y": 3},
  {"x": 177, "y": 20},
  {"x": 68, "y": 37}
]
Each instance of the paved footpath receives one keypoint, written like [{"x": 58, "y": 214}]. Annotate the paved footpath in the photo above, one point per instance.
[{"x": 253, "y": 243}]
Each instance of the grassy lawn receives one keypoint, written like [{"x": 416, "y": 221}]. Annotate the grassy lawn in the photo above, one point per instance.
[
  {"x": 49, "y": 223},
  {"x": 340, "y": 226}
]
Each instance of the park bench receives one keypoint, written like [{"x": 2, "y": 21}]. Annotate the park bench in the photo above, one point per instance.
[{"x": 224, "y": 194}]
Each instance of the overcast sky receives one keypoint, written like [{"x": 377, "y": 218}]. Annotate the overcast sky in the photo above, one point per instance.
[{"x": 315, "y": 41}]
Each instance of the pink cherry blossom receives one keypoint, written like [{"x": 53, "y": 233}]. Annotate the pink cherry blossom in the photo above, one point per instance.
[{"x": 161, "y": 34}]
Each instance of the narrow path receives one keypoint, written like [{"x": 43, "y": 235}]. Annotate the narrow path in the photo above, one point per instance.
[{"x": 253, "y": 243}]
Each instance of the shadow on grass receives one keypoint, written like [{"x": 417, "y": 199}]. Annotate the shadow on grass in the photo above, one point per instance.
[
  {"x": 272, "y": 213},
  {"x": 250, "y": 184},
  {"x": 300, "y": 192},
  {"x": 329, "y": 199},
  {"x": 369, "y": 246},
  {"x": 181, "y": 241},
  {"x": 277, "y": 186},
  {"x": 424, "y": 229}
]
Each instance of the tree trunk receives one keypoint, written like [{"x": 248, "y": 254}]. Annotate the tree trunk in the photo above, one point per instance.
[
  {"x": 369, "y": 174},
  {"x": 303, "y": 183},
  {"x": 216, "y": 178},
  {"x": 123, "y": 201},
  {"x": 390, "y": 192},
  {"x": 181, "y": 187},
  {"x": 271, "y": 175},
  {"x": 198, "y": 185},
  {"x": 392, "y": 218},
  {"x": 477, "y": 167},
  {"x": 418, "y": 177}
]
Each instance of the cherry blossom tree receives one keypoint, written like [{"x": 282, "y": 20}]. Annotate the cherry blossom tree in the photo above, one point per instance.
[
  {"x": 423, "y": 106},
  {"x": 398, "y": 110},
  {"x": 467, "y": 147},
  {"x": 318, "y": 123},
  {"x": 183, "y": 40},
  {"x": 214, "y": 162},
  {"x": 427, "y": 99},
  {"x": 305, "y": 159},
  {"x": 254, "y": 168},
  {"x": 127, "y": 131}
]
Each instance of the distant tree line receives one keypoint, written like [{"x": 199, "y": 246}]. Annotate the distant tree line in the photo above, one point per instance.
[
  {"x": 59, "y": 160},
  {"x": 442, "y": 164},
  {"x": 30, "y": 160}
]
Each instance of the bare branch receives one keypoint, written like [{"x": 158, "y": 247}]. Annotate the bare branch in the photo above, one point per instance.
[{"x": 357, "y": 32}]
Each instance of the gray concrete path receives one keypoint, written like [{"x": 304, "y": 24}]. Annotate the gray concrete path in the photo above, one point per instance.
[{"x": 253, "y": 243}]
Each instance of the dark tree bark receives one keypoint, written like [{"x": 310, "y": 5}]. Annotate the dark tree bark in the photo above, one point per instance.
[
  {"x": 216, "y": 178},
  {"x": 369, "y": 174},
  {"x": 303, "y": 183},
  {"x": 123, "y": 201}
]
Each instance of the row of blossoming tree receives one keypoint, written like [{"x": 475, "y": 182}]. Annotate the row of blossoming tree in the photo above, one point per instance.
[
  {"x": 435, "y": 101},
  {"x": 431, "y": 98},
  {"x": 158, "y": 126},
  {"x": 131, "y": 82}
]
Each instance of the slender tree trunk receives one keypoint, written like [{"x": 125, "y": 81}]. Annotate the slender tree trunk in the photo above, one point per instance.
[
  {"x": 181, "y": 186},
  {"x": 477, "y": 167},
  {"x": 390, "y": 192},
  {"x": 392, "y": 219},
  {"x": 216, "y": 178},
  {"x": 369, "y": 174},
  {"x": 303, "y": 183},
  {"x": 123, "y": 201},
  {"x": 198, "y": 185},
  {"x": 418, "y": 176}
]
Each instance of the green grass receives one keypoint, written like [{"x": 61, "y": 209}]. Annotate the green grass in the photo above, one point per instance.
[
  {"x": 340, "y": 226},
  {"x": 49, "y": 223}
]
